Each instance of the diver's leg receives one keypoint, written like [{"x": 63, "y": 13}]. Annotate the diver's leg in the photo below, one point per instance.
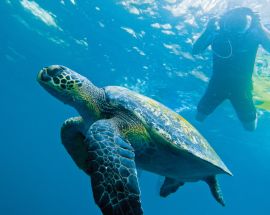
[
  {"x": 245, "y": 109},
  {"x": 212, "y": 98}
]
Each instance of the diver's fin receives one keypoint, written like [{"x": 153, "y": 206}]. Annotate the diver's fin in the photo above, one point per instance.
[
  {"x": 169, "y": 186},
  {"x": 263, "y": 105},
  {"x": 215, "y": 189}
]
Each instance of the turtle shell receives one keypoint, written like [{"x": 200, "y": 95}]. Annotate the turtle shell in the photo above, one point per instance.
[{"x": 166, "y": 124}]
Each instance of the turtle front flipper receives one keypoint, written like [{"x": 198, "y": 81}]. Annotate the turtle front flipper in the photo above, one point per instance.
[
  {"x": 112, "y": 169},
  {"x": 73, "y": 140},
  {"x": 169, "y": 186},
  {"x": 215, "y": 189}
]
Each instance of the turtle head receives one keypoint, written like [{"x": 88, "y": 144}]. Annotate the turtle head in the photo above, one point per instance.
[{"x": 71, "y": 88}]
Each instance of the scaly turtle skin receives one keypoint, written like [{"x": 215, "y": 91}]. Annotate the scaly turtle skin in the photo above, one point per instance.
[{"x": 119, "y": 130}]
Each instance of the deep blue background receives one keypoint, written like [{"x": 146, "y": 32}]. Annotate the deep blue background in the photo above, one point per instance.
[{"x": 36, "y": 174}]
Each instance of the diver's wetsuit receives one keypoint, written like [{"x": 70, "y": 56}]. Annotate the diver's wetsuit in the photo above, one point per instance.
[
  {"x": 232, "y": 75},
  {"x": 233, "y": 63}
]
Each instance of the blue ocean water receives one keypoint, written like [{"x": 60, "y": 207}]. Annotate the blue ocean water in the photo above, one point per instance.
[{"x": 141, "y": 44}]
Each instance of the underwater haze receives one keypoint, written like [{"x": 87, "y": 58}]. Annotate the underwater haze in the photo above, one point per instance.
[{"x": 144, "y": 45}]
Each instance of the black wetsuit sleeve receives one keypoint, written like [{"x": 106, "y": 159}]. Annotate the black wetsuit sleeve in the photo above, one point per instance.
[{"x": 202, "y": 42}]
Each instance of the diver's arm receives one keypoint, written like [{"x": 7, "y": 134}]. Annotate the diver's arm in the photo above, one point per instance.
[
  {"x": 206, "y": 38},
  {"x": 261, "y": 33},
  {"x": 265, "y": 38},
  {"x": 202, "y": 43}
]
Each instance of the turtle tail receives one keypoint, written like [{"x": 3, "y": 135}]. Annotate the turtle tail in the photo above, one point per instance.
[{"x": 215, "y": 189}]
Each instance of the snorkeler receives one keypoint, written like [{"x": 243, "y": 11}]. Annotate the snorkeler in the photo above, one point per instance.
[{"x": 234, "y": 39}]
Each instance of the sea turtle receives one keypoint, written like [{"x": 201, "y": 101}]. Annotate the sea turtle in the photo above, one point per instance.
[{"x": 119, "y": 130}]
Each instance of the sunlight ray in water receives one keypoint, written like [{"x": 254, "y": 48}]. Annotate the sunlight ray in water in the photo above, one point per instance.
[{"x": 47, "y": 17}]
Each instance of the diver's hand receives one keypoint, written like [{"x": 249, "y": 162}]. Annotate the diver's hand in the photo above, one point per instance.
[
  {"x": 212, "y": 25},
  {"x": 257, "y": 27},
  {"x": 256, "y": 24},
  {"x": 256, "y": 18}
]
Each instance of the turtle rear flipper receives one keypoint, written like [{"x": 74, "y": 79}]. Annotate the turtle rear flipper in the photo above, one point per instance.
[
  {"x": 215, "y": 189},
  {"x": 112, "y": 169},
  {"x": 169, "y": 186}
]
